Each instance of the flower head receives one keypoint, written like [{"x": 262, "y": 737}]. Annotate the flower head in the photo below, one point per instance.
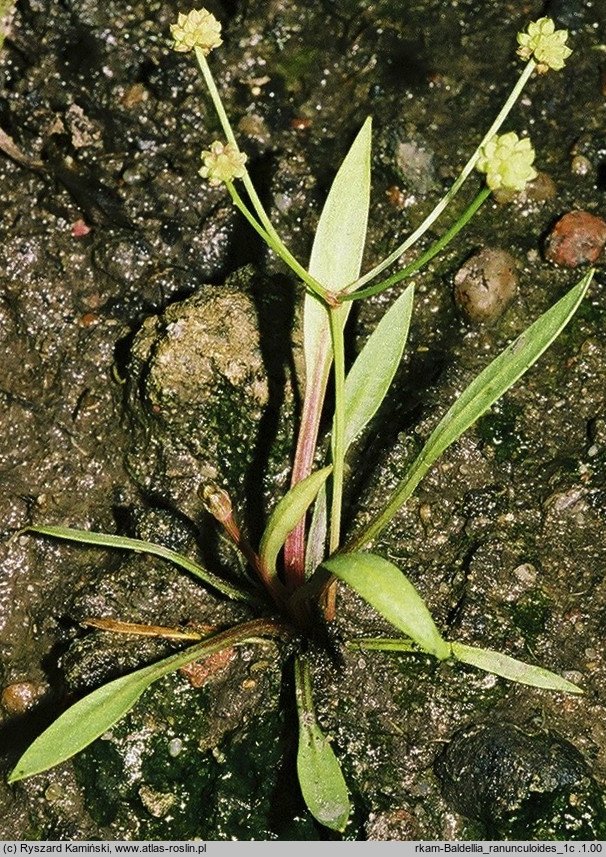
[
  {"x": 507, "y": 162},
  {"x": 223, "y": 162},
  {"x": 546, "y": 44},
  {"x": 197, "y": 29}
]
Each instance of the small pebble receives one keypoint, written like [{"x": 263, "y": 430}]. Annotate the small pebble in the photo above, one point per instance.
[
  {"x": 526, "y": 574},
  {"x": 134, "y": 95},
  {"x": 396, "y": 196},
  {"x": 301, "y": 123},
  {"x": 425, "y": 513},
  {"x": 201, "y": 672},
  {"x": 486, "y": 284},
  {"x": 541, "y": 189},
  {"x": 394, "y": 824},
  {"x": 174, "y": 747},
  {"x": 80, "y": 228},
  {"x": 19, "y": 697},
  {"x": 580, "y": 165},
  {"x": 576, "y": 239},
  {"x": 156, "y": 803},
  {"x": 54, "y": 793}
]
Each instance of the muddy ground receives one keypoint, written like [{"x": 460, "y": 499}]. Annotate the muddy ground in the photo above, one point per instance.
[{"x": 125, "y": 280}]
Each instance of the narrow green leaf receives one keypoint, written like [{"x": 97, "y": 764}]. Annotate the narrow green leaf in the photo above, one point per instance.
[
  {"x": 321, "y": 779},
  {"x": 287, "y": 515},
  {"x": 372, "y": 373},
  {"x": 110, "y": 541},
  {"x": 475, "y": 400},
  {"x": 93, "y": 715},
  {"x": 388, "y": 590},
  {"x": 512, "y": 669}
]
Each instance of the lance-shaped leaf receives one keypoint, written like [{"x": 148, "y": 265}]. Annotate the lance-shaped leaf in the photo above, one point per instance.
[
  {"x": 336, "y": 255},
  {"x": 97, "y": 712},
  {"x": 475, "y": 400},
  {"x": 388, "y": 590},
  {"x": 338, "y": 247},
  {"x": 287, "y": 514},
  {"x": 373, "y": 371},
  {"x": 322, "y": 783},
  {"x": 138, "y": 546},
  {"x": 512, "y": 669}
]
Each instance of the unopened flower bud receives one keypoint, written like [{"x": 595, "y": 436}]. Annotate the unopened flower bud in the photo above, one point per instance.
[
  {"x": 507, "y": 162},
  {"x": 216, "y": 502},
  {"x": 223, "y": 162},
  {"x": 545, "y": 44},
  {"x": 196, "y": 29}
]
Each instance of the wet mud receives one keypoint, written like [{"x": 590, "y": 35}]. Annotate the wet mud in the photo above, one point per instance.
[{"x": 145, "y": 349}]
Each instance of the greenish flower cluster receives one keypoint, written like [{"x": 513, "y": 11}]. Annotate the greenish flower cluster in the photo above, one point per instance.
[
  {"x": 198, "y": 29},
  {"x": 223, "y": 162},
  {"x": 507, "y": 161},
  {"x": 545, "y": 44}
]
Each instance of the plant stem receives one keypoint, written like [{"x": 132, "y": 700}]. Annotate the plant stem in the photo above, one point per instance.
[
  {"x": 381, "y": 644},
  {"x": 338, "y": 438},
  {"x": 313, "y": 402},
  {"x": 279, "y": 249},
  {"x": 449, "y": 196},
  {"x": 115, "y": 626},
  {"x": 338, "y": 451},
  {"x": 294, "y": 547},
  {"x": 425, "y": 257},
  {"x": 276, "y": 243},
  {"x": 231, "y": 138},
  {"x": 246, "y": 632},
  {"x": 303, "y": 687}
]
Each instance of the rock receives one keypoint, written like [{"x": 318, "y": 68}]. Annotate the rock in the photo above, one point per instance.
[
  {"x": 521, "y": 786},
  {"x": 486, "y": 284},
  {"x": 202, "y": 377},
  {"x": 578, "y": 238},
  {"x": 98, "y": 658}
]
